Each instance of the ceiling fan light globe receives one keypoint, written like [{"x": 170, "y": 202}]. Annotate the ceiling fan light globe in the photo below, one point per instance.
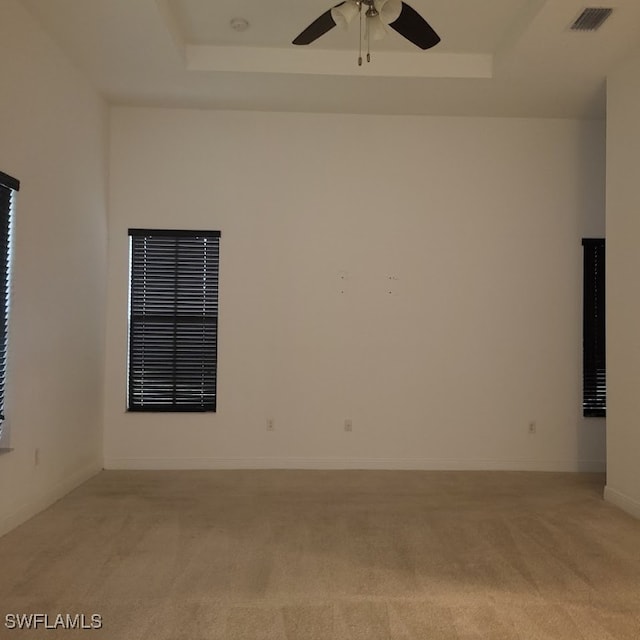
[
  {"x": 390, "y": 10},
  {"x": 379, "y": 4},
  {"x": 377, "y": 29},
  {"x": 345, "y": 13}
]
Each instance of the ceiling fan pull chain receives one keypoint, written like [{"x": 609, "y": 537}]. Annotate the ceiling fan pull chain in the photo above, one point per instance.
[
  {"x": 367, "y": 31},
  {"x": 362, "y": 17}
]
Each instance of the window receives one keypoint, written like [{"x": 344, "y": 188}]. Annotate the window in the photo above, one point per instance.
[
  {"x": 594, "y": 378},
  {"x": 8, "y": 187},
  {"x": 173, "y": 320}
]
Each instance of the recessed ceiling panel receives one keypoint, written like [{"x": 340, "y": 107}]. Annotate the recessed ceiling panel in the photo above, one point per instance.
[{"x": 134, "y": 52}]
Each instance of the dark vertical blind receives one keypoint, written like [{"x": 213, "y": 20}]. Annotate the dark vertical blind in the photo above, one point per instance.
[
  {"x": 8, "y": 186},
  {"x": 173, "y": 322},
  {"x": 594, "y": 369}
]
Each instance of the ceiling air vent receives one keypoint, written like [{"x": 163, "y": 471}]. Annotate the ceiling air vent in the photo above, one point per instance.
[{"x": 591, "y": 19}]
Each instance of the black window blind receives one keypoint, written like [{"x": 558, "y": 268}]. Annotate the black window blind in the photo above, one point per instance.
[
  {"x": 8, "y": 186},
  {"x": 173, "y": 323},
  {"x": 594, "y": 378}
]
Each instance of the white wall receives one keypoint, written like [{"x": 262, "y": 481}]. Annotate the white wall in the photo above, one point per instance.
[
  {"x": 623, "y": 301},
  {"x": 53, "y": 138},
  {"x": 477, "y": 221}
]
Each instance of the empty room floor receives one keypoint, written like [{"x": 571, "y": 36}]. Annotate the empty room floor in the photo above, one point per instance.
[{"x": 329, "y": 555}]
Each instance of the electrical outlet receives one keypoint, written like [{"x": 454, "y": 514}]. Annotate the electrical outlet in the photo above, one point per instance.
[
  {"x": 348, "y": 425},
  {"x": 532, "y": 427},
  {"x": 270, "y": 426}
]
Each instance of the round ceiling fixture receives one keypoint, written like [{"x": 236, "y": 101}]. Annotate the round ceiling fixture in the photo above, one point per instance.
[{"x": 239, "y": 24}]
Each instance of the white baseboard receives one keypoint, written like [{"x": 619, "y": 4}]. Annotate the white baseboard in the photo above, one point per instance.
[
  {"x": 46, "y": 499},
  {"x": 625, "y": 502},
  {"x": 417, "y": 464}
]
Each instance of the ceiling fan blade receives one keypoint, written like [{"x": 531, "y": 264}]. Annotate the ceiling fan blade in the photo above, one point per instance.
[
  {"x": 317, "y": 28},
  {"x": 415, "y": 28}
]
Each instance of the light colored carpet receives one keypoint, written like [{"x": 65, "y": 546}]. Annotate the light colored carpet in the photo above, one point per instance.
[{"x": 330, "y": 555}]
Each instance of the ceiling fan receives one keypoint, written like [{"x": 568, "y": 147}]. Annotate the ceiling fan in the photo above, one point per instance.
[{"x": 374, "y": 17}]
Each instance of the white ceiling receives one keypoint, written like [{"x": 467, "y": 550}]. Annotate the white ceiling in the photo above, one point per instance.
[{"x": 497, "y": 57}]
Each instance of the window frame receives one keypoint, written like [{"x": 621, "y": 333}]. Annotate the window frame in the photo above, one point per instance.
[
  {"x": 9, "y": 186},
  {"x": 174, "y": 309},
  {"x": 594, "y": 368}
]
